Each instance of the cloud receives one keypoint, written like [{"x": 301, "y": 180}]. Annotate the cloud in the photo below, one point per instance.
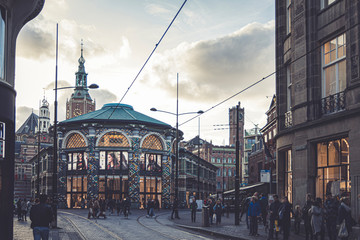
[
  {"x": 125, "y": 50},
  {"x": 156, "y": 9},
  {"x": 212, "y": 70}
]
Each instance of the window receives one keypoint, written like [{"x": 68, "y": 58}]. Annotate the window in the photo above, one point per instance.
[
  {"x": 2, "y": 43},
  {"x": 230, "y": 172},
  {"x": 325, "y": 3},
  {"x": 333, "y": 172},
  {"x": 334, "y": 66},
  {"x": 288, "y": 175},
  {"x": 218, "y": 160},
  {"x": 289, "y": 84},
  {"x": 224, "y": 170},
  {"x": 218, "y": 172},
  {"x": 229, "y": 160},
  {"x": 77, "y": 161},
  {"x": 213, "y": 160},
  {"x": 288, "y": 16}
]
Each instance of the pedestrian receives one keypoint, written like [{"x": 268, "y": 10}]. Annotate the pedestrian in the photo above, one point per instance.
[
  {"x": 102, "y": 204},
  {"x": 175, "y": 209},
  {"x": 126, "y": 207},
  {"x": 317, "y": 219},
  {"x": 297, "y": 216},
  {"x": 18, "y": 209},
  {"x": 331, "y": 207},
  {"x": 193, "y": 207},
  {"x": 118, "y": 206},
  {"x": 245, "y": 207},
  {"x": 41, "y": 216},
  {"x": 284, "y": 215},
  {"x": 151, "y": 206},
  {"x": 274, "y": 217},
  {"x": 254, "y": 212},
  {"x": 23, "y": 209},
  {"x": 218, "y": 210},
  {"x": 90, "y": 206},
  {"x": 211, "y": 210},
  {"x": 307, "y": 218},
  {"x": 157, "y": 204},
  {"x": 96, "y": 210},
  {"x": 111, "y": 206},
  {"x": 344, "y": 214},
  {"x": 264, "y": 208}
]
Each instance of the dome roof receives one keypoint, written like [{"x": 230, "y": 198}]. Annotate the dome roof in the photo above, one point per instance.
[{"x": 116, "y": 112}]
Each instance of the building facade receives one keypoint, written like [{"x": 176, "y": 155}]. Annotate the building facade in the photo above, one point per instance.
[
  {"x": 251, "y": 137},
  {"x": 80, "y": 101},
  {"x": 115, "y": 152},
  {"x": 188, "y": 177},
  {"x": 317, "y": 89}
]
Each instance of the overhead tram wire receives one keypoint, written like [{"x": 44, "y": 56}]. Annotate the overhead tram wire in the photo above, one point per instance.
[
  {"x": 147, "y": 60},
  {"x": 264, "y": 78}
]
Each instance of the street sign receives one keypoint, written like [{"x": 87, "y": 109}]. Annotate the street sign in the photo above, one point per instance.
[
  {"x": 2, "y": 141},
  {"x": 265, "y": 176}
]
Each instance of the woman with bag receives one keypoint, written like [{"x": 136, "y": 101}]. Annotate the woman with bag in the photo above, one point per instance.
[
  {"x": 344, "y": 219},
  {"x": 317, "y": 219}
]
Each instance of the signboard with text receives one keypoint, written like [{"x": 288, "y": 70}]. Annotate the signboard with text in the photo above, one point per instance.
[
  {"x": 2, "y": 141},
  {"x": 265, "y": 176}
]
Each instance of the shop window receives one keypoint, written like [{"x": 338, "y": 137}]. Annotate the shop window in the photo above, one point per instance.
[
  {"x": 152, "y": 142},
  {"x": 333, "y": 172},
  {"x": 288, "y": 176},
  {"x": 75, "y": 141},
  {"x": 113, "y": 139},
  {"x": 77, "y": 161},
  {"x": 151, "y": 163},
  {"x": 114, "y": 160}
]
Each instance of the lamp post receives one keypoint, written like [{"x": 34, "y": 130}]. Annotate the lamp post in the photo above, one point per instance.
[
  {"x": 55, "y": 151},
  {"x": 177, "y": 114}
]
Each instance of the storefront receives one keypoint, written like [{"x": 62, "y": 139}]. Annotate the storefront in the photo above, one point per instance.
[{"x": 128, "y": 155}]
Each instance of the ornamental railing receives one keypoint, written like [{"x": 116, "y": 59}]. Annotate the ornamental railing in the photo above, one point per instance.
[
  {"x": 288, "y": 119},
  {"x": 333, "y": 103}
]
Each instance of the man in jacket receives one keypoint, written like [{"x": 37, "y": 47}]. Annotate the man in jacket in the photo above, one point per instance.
[
  {"x": 284, "y": 215},
  {"x": 307, "y": 217},
  {"x": 193, "y": 207},
  {"x": 253, "y": 214},
  {"x": 41, "y": 216},
  {"x": 274, "y": 216},
  {"x": 331, "y": 207}
]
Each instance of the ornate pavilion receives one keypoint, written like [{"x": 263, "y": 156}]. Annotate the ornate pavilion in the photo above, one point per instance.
[{"x": 114, "y": 152}]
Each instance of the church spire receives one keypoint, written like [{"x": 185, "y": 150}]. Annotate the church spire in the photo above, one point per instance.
[{"x": 81, "y": 80}]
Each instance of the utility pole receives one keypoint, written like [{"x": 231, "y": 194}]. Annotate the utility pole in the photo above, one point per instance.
[{"x": 237, "y": 177}]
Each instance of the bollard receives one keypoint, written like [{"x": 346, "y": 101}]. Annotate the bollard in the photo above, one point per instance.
[{"x": 205, "y": 217}]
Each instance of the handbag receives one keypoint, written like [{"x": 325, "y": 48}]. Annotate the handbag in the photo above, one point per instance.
[{"x": 343, "y": 232}]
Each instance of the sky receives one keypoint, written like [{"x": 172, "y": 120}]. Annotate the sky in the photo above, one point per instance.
[{"x": 218, "y": 48}]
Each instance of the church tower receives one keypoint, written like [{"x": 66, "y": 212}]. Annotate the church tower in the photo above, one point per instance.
[
  {"x": 80, "y": 101},
  {"x": 44, "y": 116}
]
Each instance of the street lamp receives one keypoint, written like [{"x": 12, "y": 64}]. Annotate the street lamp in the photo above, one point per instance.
[
  {"x": 55, "y": 151},
  {"x": 177, "y": 114}
]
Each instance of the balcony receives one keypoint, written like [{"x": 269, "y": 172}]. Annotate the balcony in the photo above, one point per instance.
[
  {"x": 333, "y": 103},
  {"x": 288, "y": 119}
]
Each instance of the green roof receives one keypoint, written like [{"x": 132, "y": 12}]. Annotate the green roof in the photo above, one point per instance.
[{"x": 117, "y": 112}]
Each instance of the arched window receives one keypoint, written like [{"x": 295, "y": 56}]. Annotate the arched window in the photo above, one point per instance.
[
  {"x": 152, "y": 142},
  {"x": 75, "y": 141},
  {"x": 113, "y": 139}
]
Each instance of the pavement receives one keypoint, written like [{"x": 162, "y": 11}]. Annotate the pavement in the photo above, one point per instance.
[{"x": 226, "y": 229}]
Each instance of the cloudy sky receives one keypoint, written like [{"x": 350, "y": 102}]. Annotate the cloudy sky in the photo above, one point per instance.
[{"x": 217, "y": 47}]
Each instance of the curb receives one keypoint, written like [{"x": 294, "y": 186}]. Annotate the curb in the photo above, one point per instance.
[{"x": 202, "y": 230}]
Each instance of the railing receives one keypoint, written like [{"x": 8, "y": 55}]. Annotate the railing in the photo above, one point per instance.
[
  {"x": 288, "y": 119},
  {"x": 333, "y": 103}
]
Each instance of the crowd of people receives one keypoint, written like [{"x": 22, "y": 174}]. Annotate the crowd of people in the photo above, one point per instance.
[
  {"x": 97, "y": 207},
  {"x": 22, "y": 208}
]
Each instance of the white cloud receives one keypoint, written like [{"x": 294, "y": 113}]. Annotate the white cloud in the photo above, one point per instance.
[{"x": 125, "y": 50}]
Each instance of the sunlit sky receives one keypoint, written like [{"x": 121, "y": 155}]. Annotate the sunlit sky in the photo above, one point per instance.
[{"x": 217, "y": 47}]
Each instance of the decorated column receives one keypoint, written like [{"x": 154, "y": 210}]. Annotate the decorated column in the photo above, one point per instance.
[
  {"x": 93, "y": 167},
  {"x": 134, "y": 170}
]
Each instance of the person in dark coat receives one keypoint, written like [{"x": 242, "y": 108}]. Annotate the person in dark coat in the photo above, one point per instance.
[
  {"x": 344, "y": 213},
  {"x": 331, "y": 207},
  {"x": 254, "y": 212},
  {"x": 244, "y": 209},
  {"x": 274, "y": 216},
  {"x": 284, "y": 215},
  {"x": 193, "y": 207},
  {"x": 264, "y": 208},
  {"x": 307, "y": 218},
  {"x": 102, "y": 204},
  {"x": 175, "y": 209},
  {"x": 218, "y": 209},
  {"x": 211, "y": 210},
  {"x": 41, "y": 216}
]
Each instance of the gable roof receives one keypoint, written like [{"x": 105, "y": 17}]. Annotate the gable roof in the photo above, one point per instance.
[{"x": 30, "y": 125}]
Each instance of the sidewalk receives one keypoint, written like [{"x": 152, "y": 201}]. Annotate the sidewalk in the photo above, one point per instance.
[
  {"x": 67, "y": 230},
  {"x": 227, "y": 228}
]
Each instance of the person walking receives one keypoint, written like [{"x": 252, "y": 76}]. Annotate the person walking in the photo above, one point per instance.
[
  {"x": 331, "y": 207},
  {"x": 317, "y": 219},
  {"x": 254, "y": 212},
  {"x": 96, "y": 208},
  {"x": 307, "y": 218},
  {"x": 102, "y": 204},
  {"x": 218, "y": 209},
  {"x": 126, "y": 207},
  {"x": 297, "y": 216},
  {"x": 211, "y": 210},
  {"x": 264, "y": 209},
  {"x": 284, "y": 215},
  {"x": 193, "y": 207},
  {"x": 344, "y": 214},
  {"x": 23, "y": 209},
  {"x": 245, "y": 207},
  {"x": 175, "y": 209},
  {"x": 118, "y": 206},
  {"x": 151, "y": 206},
  {"x": 274, "y": 217},
  {"x": 90, "y": 206},
  {"x": 41, "y": 216},
  {"x": 18, "y": 209}
]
